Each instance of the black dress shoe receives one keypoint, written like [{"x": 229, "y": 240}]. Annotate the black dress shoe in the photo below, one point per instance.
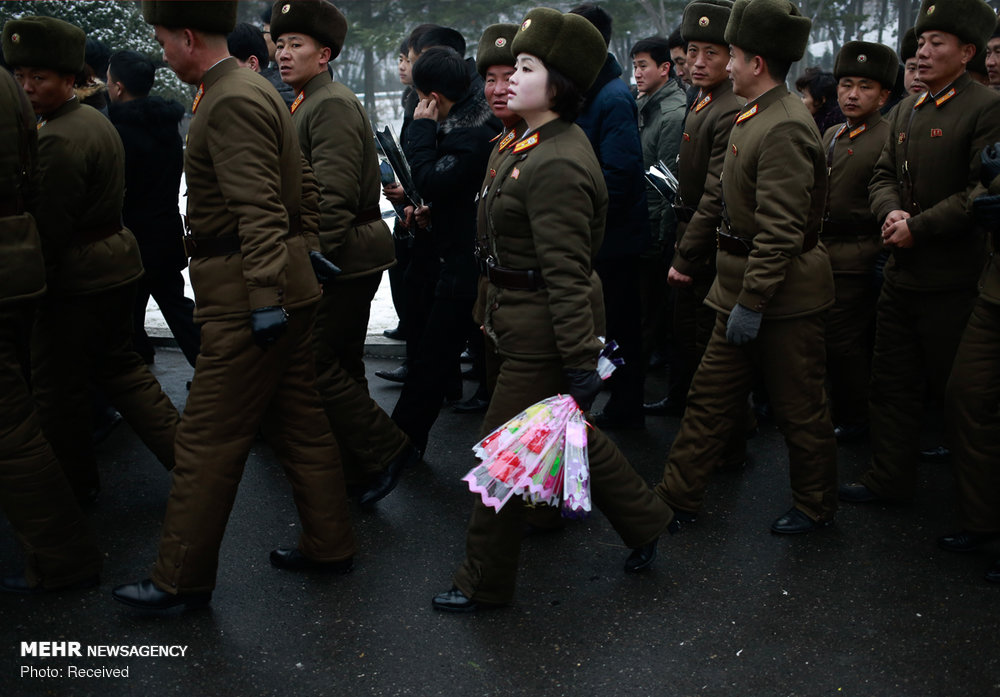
[
  {"x": 456, "y": 601},
  {"x": 145, "y": 595},
  {"x": 938, "y": 454},
  {"x": 294, "y": 560},
  {"x": 993, "y": 573},
  {"x": 681, "y": 520},
  {"x": 846, "y": 433},
  {"x": 966, "y": 540},
  {"x": 473, "y": 405},
  {"x": 610, "y": 420},
  {"x": 389, "y": 477},
  {"x": 19, "y": 585},
  {"x": 395, "y": 334},
  {"x": 397, "y": 375},
  {"x": 796, "y": 522},
  {"x": 668, "y": 406},
  {"x": 641, "y": 558},
  {"x": 856, "y": 492}
]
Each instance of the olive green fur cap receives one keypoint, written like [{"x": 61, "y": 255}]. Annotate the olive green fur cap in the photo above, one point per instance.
[
  {"x": 705, "y": 21},
  {"x": 868, "y": 60},
  {"x": 494, "y": 47},
  {"x": 209, "y": 16},
  {"x": 44, "y": 42},
  {"x": 316, "y": 18},
  {"x": 908, "y": 46},
  {"x": 566, "y": 42},
  {"x": 996, "y": 30},
  {"x": 770, "y": 28},
  {"x": 972, "y": 21}
]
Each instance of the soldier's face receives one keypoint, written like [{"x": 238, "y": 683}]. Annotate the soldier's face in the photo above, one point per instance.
[
  {"x": 177, "y": 52},
  {"x": 941, "y": 58},
  {"x": 528, "y": 91},
  {"x": 649, "y": 76},
  {"x": 912, "y": 83},
  {"x": 740, "y": 71},
  {"x": 860, "y": 97},
  {"x": 993, "y": 61},
  {"x": 706, "y": 63},
  {"x": 497, "y": 83},
  {"x": 300, "y": 58},
  {"x": 47, "y": 90}
]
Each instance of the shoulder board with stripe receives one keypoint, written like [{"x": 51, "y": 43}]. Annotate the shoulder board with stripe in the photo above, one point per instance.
[
  {"x": 508, "y": 139},
  {"x": 703, "y": 103},
  {"x": 920, "y": 102},
  {"x": 527, "y": 143},
  {"x": 945, "y": 97},
  {"x": 746, "y": 115},
  {"x": 858, "y": 131}
]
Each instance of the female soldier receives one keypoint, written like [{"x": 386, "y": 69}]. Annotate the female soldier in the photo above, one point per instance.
[{"x": 542, "y": 215}]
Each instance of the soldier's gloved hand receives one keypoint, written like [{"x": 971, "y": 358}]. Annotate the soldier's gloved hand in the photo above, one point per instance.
[
  {"x": 267, "y": 324},
  {"x": 742, "y": 326},
  {"x": 584, "y": 386},
  {"x": 990, "y": 159},
  {"x": 324, "y": 269},
  {"x": 986, "y": 211}
]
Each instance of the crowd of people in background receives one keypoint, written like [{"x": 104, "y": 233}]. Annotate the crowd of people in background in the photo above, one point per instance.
[{"x": 826, "y": 262}]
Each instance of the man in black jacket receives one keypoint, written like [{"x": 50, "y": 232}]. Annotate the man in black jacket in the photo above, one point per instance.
[{"x": 154, "y": 158}]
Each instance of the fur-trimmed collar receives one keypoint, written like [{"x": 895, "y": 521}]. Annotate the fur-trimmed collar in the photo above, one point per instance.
[{"x": 469, "y": 112}]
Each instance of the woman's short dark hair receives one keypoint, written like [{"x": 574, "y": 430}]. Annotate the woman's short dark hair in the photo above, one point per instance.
[
  {"x": 567, "y": 99},
  {"x": 822, "y": 86}
]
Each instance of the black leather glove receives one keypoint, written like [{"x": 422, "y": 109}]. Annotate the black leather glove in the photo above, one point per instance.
[
  {"x": 324, "y": 269},
  {"x": 986, "y": 211},
  {"x": 990, "y": 159},
  {"x": 742, "y": 326},
  {"x": 267, "y": 324},
  {"x": 584, "y": 386}
]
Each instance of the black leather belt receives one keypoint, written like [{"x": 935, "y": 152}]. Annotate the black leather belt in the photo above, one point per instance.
[
  {"x": 742, "y": 246},
  {"x": 864, "y": 228},
  {"x": 368, "y": 215},
  {"x": 514, "y": 279}
]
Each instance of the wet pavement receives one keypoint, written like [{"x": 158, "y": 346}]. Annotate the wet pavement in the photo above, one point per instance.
[{"x": 867, "y": 607}]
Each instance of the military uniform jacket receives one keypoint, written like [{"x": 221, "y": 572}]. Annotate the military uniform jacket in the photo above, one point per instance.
[
  {"x": 81, "y": 191},
  {"x": 661, "y": 122},
  {"x": 852, "y": 235},
  {"x": 22, "y": 269},
  {"x": 929, "y": 167},
  {"x": 338, "y": 142},
  {"x": 774, "y": 188},
  {"x": 703, "y": 148},
  {"x": 543, "y": 209},
  {"x": 245, "y": 176}
]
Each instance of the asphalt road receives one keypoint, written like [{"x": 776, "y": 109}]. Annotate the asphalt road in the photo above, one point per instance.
[{"x": 867, "y": 607}]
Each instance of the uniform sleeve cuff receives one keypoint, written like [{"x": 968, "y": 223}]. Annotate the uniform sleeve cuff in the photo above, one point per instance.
[
  {"x": 266, "y": 297},
  {"x": 752, "y": 301}
]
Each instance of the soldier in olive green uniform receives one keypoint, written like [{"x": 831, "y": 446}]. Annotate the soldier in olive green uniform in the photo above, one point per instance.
[
  {"x": 83, "y": 332},
  {"x": 34, "y": 494},
  {"x": 974, "y": 390},
  {"x": 542, "y": 218},
  {"x": 774, "y": 279},
  {"x": 866, "y": 73},
  {"x": 336, "y": 138},
  {"x": 252, "y": 213},
  {"x": 922, "y": 182}
]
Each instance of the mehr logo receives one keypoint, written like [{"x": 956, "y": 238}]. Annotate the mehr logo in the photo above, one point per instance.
[{"x": 50, "y": 649}]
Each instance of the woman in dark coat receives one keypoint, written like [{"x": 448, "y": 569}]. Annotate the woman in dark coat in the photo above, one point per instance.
[{"x": 542, "y": 216}]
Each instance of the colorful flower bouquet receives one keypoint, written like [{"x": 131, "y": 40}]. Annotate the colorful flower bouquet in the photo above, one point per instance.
[{"x": 540, "y": 454}]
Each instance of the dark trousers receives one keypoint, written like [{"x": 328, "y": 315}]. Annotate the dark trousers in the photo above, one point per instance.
[
  {"x": 623, "y": 315},
  {"x": 34, "y": 493},
  {"x": 789, "y": 355},
  {"x": 493, "y": 541},
  {"x": 237, "y": 389},
  {"x": 655, "y": 297},
  {"x": 419, "y": 283},
  {"x": 693, "y": 325},
  {"x": 849, "y": 339},
  {"x": 81, "y": 340},
  {"x": 166, "y": 286},
  {"x": 367, "y": 437},
  {"x": 397, "y": 273},
  {"x": 916, "y": 337},
  {"x": 973, "y": 413}
]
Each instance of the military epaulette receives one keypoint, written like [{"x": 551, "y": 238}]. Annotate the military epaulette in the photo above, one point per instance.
[
  {"x": 920, "y": 102},
  {"x": 508, "y": 139},
  {"x": 298, "y": 101},
  {"x": 703, "y": 103},
  {"x": 527, "y": 143},
  {"x": 746, "y": 115},
  {"x": 496, "y": 137},
  {"x": 857, "y": 131},
  {"x": 945, "y": 97},
  {"x": 197, "y": 97},
  {"x": 840, "y": 131}
]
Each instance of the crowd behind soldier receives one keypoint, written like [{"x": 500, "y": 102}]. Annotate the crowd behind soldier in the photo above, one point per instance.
[{"x": 850, "y": 269}]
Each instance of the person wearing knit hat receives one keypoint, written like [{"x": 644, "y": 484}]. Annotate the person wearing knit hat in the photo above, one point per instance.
[
  {"x": 865, "y": 74},
  {"x": 83, "y": 328},
  {"x": 253, "y": 219},
  {"x": 918, "y": 193},
  {"x": 992, "y": 57},
  {"x": 543, "y": 304},
  {"x": 336, "y": 138},
  {"x": 908, "y": 54},
  {"x": 773, "y": 282}
]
